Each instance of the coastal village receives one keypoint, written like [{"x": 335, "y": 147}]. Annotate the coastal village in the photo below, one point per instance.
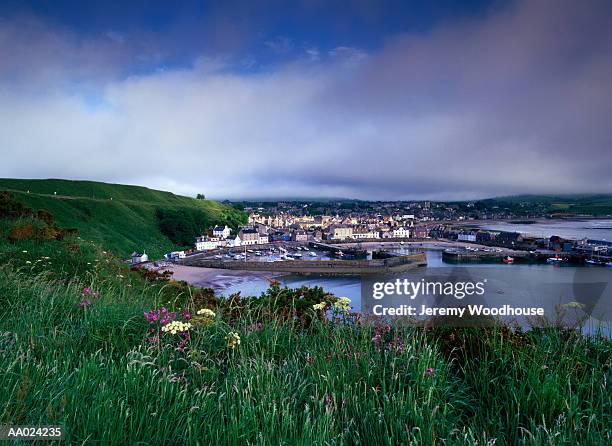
[{"x": 466, "y": 240}]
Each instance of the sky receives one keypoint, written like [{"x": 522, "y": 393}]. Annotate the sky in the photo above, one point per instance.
[{"x": 368, "y": 99}]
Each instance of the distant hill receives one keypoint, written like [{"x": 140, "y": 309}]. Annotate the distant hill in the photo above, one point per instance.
[
  {"x": 578, "y": 204},
  {"x": 123, "y": 218}
]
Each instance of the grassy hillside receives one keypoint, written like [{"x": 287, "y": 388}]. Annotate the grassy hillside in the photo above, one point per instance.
[
  {"x": 121, "y": 218},
  {"x": 597, "y": 205}
]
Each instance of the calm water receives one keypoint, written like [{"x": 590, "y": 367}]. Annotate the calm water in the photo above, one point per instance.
[
  {"x": 593, "y": 229},
  {"x": 351, "y": 286}
]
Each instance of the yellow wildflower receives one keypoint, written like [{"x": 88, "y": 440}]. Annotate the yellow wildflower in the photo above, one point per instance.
[
  {"x": 233, "y": 339},
  {"x": 206, "y": 313},
  {"x": 343, "y": 303},
  {"x": 175, "y": 327},
  {"x": 319, "y": 306}
]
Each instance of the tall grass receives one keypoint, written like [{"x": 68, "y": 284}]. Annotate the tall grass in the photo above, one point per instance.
[{"x": 94, "y": 370}]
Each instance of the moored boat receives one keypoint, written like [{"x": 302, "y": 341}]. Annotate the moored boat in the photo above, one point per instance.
[{"x": 508, "y": 259}]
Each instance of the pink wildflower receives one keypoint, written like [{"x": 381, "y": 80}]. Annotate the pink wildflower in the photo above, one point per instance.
[{"x": 377, "y": 339}]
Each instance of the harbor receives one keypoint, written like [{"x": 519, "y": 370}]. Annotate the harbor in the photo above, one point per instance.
[{"x": 391, "y": 264}]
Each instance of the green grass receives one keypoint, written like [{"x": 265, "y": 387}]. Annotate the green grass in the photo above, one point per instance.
[
  {"x": 597, "y": 205},
  {"x": 297, "y": 380},
  {"x": 124, "y": 224}
]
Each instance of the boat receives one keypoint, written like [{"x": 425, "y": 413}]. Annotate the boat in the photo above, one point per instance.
[
  {"x": 312, "y": 254},
  {"x": 593, "y": 262},
  {"x": 555, "y": 259},
  {"x": 609, "y": 264},
  {"x": 296, "y": 254},
  {"x": 508, "y": 259}
]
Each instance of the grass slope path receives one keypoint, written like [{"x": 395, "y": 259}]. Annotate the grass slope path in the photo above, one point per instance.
[{"x": 121, "y": 218}]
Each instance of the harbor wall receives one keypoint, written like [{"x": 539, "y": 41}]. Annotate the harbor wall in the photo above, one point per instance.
[{"x": 332, "y": 267}]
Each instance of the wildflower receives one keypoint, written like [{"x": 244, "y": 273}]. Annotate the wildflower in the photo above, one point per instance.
[
  {"x": 186, "y": 315},
  {"x": 175, "y": 327},
  {"x": 167, "y": 317},
  {"x": 233, "y": 339},
  {"x": 85, "y": 303},
  {"x": 151, "y": 316},
  {"x": 319, "y": 306},
  {"x": 429, "y": 371},
  {"x": 376, "y": 340},
  {"x": 309, "y": 359},
  {"x": 206, "y": 313},
  {"x": 343, "y": 303},
  {"x": 329, "y": 401},
  {"x": 254, "y": 327}
]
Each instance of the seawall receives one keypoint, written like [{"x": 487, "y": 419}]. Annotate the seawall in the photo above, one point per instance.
[{"x": 330, "y": 267}]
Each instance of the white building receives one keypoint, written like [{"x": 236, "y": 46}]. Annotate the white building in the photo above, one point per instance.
[
  {"x": 136, "y": 257},
  {"x": 232, "y": 243},
  {"x": 401, "y": 232},
  {"x": 263, "y": 239},
  {"x": 221, "y": 232},
  {"x": 340, "y": 232},
  {"x": 466, "y": 237},
  {"x": 365, "y": 233},
  {"x": 205, "y": 243}
]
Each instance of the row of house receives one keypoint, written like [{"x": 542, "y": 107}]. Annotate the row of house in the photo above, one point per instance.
[
  {"x": 346, "y": 232},
  {"x": 220, "y": 237},
  {"x": 308, "y": 222},
  {"x": 259, "y": 234}
]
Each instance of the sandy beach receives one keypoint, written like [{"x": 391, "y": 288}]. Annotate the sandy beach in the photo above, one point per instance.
[{"x": 217, "y": 279}]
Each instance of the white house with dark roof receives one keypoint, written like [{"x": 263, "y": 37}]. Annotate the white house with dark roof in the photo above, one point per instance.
[
  {"x": 222, "y": 232},
  {"x": 137, "y": 257}
]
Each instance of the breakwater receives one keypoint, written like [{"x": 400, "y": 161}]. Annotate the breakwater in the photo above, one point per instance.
[{"x": 326, "y": 267}]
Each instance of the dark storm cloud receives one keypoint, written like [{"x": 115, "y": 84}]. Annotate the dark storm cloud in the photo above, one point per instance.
[{"x": 516, "y": 101}]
